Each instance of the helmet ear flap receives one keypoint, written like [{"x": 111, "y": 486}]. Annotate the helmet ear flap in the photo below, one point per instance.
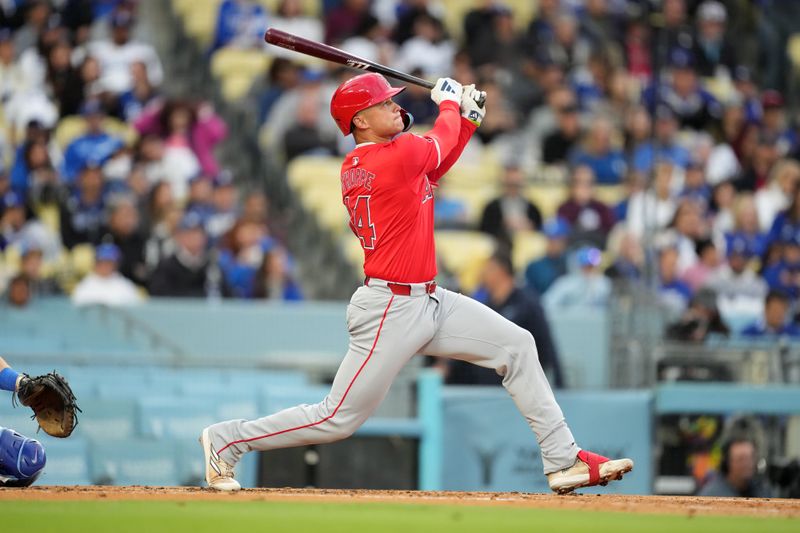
[{"x": 408, "y": 119}]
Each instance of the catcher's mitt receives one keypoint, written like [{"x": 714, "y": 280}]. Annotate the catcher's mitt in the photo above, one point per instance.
[{"x": 52, "y": 401}]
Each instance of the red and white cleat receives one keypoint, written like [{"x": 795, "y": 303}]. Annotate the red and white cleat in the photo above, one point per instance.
[{"x": 589, "y": 470}]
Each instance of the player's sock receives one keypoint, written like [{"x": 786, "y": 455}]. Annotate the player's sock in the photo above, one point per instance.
[{"x": 8, "y": 379}]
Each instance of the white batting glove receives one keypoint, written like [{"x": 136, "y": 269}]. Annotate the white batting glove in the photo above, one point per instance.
[
  {"x": 470, "y": 109},
  {"x": 447, "y": 89}
]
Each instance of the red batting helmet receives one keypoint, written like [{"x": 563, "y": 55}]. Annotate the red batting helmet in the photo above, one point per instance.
[{"x": 359, "y": 93}]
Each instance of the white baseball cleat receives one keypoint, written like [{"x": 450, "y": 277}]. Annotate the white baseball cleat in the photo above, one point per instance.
[
  {"x": 219, "y": 474},
  {"x": 589, "y": 470}
]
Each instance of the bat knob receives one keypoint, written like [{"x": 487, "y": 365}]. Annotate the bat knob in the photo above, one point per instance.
[{"x": 481, "y": 100}]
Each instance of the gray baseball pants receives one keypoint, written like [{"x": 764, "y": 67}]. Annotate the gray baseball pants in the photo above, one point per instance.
[{"x": 386, "y": 331}]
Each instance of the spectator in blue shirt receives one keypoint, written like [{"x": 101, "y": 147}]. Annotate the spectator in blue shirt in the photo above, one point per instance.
[
  {"x": 540, "y": 274},
  {"x": 82, "y": 212},
  {"x": 774, "y": 324},
  {"x": 273, "y": 279},
  {"x": 96, "y": 144},
  {"x": 283, "y": 76},
  {"x": 663, "y": 147},
  {"x": 133, "y": 101},
  {"x": 240, "y": 23},
  {"x": 675, "y": 293},
  {"x": 784, "y": 275},
  {"x": 597, "y": 152}
]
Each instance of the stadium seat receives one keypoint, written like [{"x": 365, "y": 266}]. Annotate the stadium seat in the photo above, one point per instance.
[
  {"x": 134, "y": 462},
  {"x": 464, "y": 253},
  {"x": 200, "y": 21},
  {"x": 547, "y": 198},
  {"x": 107, "y": 418},
  {"x": 176, "y": 416},
  {"x": 455, "y": 10},
  {"x": 71, "y": 127},
  {"x": 67, "y": 462},
  {"x": 610, "y": 195},
  {"x": 311, "y": 8},
  {"x": 528, "y": 246}
]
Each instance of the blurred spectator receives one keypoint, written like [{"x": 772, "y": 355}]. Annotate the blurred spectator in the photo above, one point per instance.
[
  {"x": 104, "y": 285},
  {"x": 673, "y": 292},
  {"x": 124, "y": 232},
  {"x": 149, "y": 155},
  {"x": 734, "y": 280},
  {"x": 722, "y": 207},
  {"x": 64, "y": 79},
  {"x": 32, "y": 267},
  {"x": 602, "y": 26},
  {"x": 774, "y": 121},
  {"x": 511, "y": 212},
  {"x": 342, "y": 21},
  {"x": 542, "y": 28},
  {"x": 502, "y": 120},
  {"x": 755, "y": 173},
  {"x": 303, "y": 137},
  {"x": 708, "y": 264},
  {"x": 12, "y": 77},
  {"x": 737, "y": 475},
  {"x": 786, "y": 223},
  {"x": 651, "y": 210},
  {"x": 18, "y": 292},
  {"x": 417, "y": 101},
  {"x": 625, "y": 248},
  {"x": 746, "y": 225},
  {"x": 688, "y": 227},
  {"x": 589, "y": 218},
  {"x": 17, "y": 229},
  {"x": 784, "y": 275},
  {"x": 140, "y": 95},
  {"x": 118, "y": 54},
  {"x": 82, "y": 211},
  {"x": 585, "y": 288},
  {"x": 35, "y": 176},
  {"x": 188, "y": 272},
  {"x": 490, "y": 37},
  {"x": 201, "y": 190},
  {"x": 289, "y": 17},
  {"x": 598, "y": 153},
  {"x": 372, "y": 41},
  {"x": 185, "y": 126},
  {"x": 567, "y": 46},
  {"x": 694, "y": 106},
  {"x": 675, "y": 33},
  {"x": 164, "y": 218},
  {"x": 700, "y": 320},
  {"x": 225, "y": 200},
  {"x": 242, "y": 251},
  {"x": 96, "y": 146},
  {"x": 776, "y": 322},
  {"x": 241, "y": 24},
  {"x": 715, "y": 53},
  {"x": 558, "y": 144},
  {"x": 428, "y": 49},
  {"x": 695, "y": 188},
  {"x": 541, "y": 273},
  {"x": 255, "y": 207},
  {"x": 273, "y": 279},
  {"x": 663, "y": 147},
  {"x": 784, "y": 178},
  {"x": 520, "y": 307},
  {"x": 283, "y": 75}
]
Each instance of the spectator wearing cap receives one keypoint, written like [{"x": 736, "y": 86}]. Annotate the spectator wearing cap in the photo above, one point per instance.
[
  {"x": 695, "y": 186},
  {"x": 273, "y": 279},
  {"x": 124, "y": 231},
  {"x": 598, "y": 153},
  {"x": 240, "y": 24},
  {"x": 541, "y": 273},
  {"x": 42, "y": 282},
  {"x": 584, "y": 288},
  {"x": 737, "y": 285},
  {"x": 650, "y": 210},
  {"x": 96, "y": 146},
  {"x": 785, "y": 274},
  {"x": 712, "y": 48},
  {"x": 628, "y": 254},
  {"x": 693, "y": 105},
  {"x": 201, "y": 190},
  {"x": 16, "y": 229},
  {"x": 757, "y": 170},
  {"x": 116, "y": 55},
  {"x": 588, "y": 217},
  {"x": 784, "y": 178},
  {"x": 745, "y": 85},
  {"x": 82, "y": 211},
  {"x": 558, "y": 144},
  {"x": 185, "y": 125},
  {"x": 188, "y": 272},
  {"x": 225, "y": 203},
  {"x": 520, "y": 306},
  {"x": 774, "y": 121},
  {"x": 511, "y": 212},
  {"x": 776, "y": 322},
  {"x": 663, "y": 147},
  {"x": 104, "y": 285}
]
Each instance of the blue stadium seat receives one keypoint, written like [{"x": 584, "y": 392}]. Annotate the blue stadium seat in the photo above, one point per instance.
[
  {"x": 134, "y": 462},
  {"x": 113, "y": 418},
  {"x": 67, "y": 462},
  {"x": 176, "y": 416}
]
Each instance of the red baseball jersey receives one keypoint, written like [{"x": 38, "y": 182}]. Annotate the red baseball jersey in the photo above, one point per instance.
[{"x": 388, "y": 191}]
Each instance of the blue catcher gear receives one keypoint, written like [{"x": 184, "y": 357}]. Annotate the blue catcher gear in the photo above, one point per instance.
[{"x": 21, "y": 459}]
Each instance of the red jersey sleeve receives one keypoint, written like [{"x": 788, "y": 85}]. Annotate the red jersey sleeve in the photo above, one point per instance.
[
  {"x": 423, "y": 154},
  {"x": 464, "y": 135}
]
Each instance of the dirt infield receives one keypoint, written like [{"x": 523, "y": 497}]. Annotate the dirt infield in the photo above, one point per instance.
[{"x": 683, "y": 505}]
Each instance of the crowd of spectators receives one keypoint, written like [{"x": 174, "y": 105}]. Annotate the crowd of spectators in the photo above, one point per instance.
[
  {"x": 110, "y": 190},
  {"x": 679, "y": 104}
]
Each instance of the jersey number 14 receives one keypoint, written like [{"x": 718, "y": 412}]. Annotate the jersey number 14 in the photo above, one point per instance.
[{"x": 361, "y": 221}]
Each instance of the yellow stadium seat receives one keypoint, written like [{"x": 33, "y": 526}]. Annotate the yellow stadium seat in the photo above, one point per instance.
[
  {"x": 201, "y": 19},
  {"x": 49, "y": 215},
  {"x": 547, "y": 197},
  {"x": 351, "y": 247},
  {"x": 474, "y": 198},
  {"x": 311, "y": 8},
  {"x": 81, "y": 259},
  {"x": 314, "y": 170},
  {"x": 236, "y": 87},
  {"x": 528, "y": 246},
  {"x": 610, "y": 195},
  {"x": 182, "y": 7},
  {"x": 71, "y": 127},
  {"x": 464, "y": 253},
  {"x": 455, "y": 11},
  {"x": 793, "y": 49},
  {"x": 237, "y": 61}
]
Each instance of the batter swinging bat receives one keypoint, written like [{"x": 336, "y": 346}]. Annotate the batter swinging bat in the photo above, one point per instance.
[{"x": 329, "y": 53}]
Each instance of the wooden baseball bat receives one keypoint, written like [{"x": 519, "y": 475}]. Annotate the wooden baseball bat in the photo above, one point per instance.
[{"x": 329, "y": 53}]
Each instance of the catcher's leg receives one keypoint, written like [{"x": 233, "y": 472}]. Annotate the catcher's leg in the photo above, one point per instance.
[{"x": 21, "y": 459}]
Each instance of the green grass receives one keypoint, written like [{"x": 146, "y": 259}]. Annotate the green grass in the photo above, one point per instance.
[{"x": 296, "y": 517}]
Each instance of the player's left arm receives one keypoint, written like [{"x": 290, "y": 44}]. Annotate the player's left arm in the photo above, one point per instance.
[{"x": 471, "y": 117}]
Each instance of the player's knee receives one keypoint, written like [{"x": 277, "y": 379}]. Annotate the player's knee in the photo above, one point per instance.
[{"x": 21, "y": 459}]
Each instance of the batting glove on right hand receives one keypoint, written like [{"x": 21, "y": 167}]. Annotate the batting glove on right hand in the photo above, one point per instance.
[
  {"x": 470, "y": 109},
  {"x": 447, "y": 89}
]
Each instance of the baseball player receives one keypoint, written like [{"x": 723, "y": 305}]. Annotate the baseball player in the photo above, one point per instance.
[
  {"x": 21, "y": 459},
  {"x": 388, "y": 184}
]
